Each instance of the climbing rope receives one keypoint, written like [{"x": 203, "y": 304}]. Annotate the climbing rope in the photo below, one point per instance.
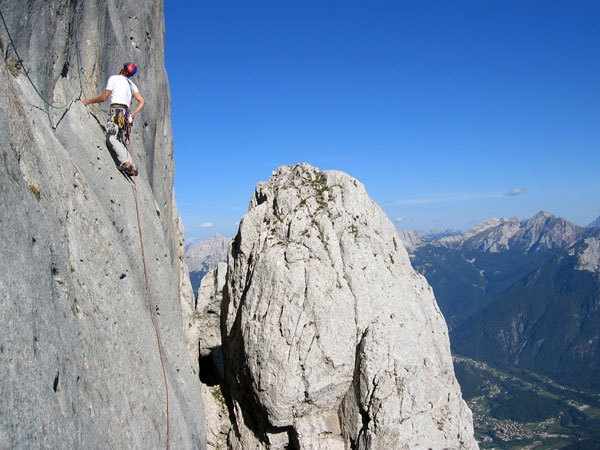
[
  {"x": 152, "y": 308},
  {"x": 50, "y": 104}
]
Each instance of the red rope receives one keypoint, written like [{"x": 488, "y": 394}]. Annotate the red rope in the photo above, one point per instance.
[{"x": 152, "y": 310}]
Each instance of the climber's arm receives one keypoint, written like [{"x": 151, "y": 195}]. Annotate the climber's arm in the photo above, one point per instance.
[
  {"x": 101, "y": 98},
  {"x": 140, "y": 103}
]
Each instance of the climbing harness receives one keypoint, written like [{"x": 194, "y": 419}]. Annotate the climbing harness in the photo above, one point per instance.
[
  {"x": 119, "y": 123},
  {"x": 50, "y": 104},
  {"x": 153, "y": 309}
]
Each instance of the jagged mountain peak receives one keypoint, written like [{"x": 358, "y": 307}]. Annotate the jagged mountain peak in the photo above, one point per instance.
[
  {"x": 491, "y": 235},
  {"x": 543, "y": 231},
  {"x": 546, "y": 231},
  {"x": 544, "y": 220},
  {"x": 489, "y": 224},
  {"x": 206, "y": 254},
  {"x": 595, "y": 222},
  {"x": 588, "y": 254}
]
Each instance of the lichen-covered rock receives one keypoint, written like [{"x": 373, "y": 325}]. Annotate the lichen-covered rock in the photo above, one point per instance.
[
  {"x": 330, "y": 338},
  {"x": 79, "y": 361}
]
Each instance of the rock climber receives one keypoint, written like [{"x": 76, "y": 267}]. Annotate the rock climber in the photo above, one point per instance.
[{"x": 120, "y": 89}]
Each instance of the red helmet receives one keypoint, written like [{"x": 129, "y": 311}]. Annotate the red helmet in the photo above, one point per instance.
[{"x": 130, "y": 68}]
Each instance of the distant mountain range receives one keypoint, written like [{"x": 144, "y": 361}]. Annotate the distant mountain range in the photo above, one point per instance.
[
  {"x": 520, "y": 293},
  {"x": 204, "y": 256}
]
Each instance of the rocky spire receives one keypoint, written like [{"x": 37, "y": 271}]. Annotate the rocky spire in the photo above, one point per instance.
[{"x": 331, "y": 340}]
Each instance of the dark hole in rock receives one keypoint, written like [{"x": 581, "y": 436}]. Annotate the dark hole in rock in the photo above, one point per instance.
[{"x": 211, "y": 367}]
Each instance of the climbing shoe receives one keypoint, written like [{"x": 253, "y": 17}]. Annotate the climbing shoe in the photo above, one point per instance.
[{"x": 128, "y": 169}]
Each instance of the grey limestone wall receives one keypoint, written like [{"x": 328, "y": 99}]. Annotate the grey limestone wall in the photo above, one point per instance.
[{"x": 79, "y": 361}]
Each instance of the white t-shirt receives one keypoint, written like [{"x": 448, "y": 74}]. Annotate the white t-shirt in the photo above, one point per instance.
[{"x": 122, "y": 89}]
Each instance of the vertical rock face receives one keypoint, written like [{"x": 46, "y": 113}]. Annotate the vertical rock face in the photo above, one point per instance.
[
  {"x": 79, "y": 362},
  {"x": 331, "y": 340}
]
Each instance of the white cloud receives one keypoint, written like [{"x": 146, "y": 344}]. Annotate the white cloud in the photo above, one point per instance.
[
  {"x": 447, "y": 198},
  {"x": 206, "y": 225},
  {"x": 516, "y": 191}
]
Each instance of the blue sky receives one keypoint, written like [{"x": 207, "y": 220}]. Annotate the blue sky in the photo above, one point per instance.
[{"x": 449, "y": 113}]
